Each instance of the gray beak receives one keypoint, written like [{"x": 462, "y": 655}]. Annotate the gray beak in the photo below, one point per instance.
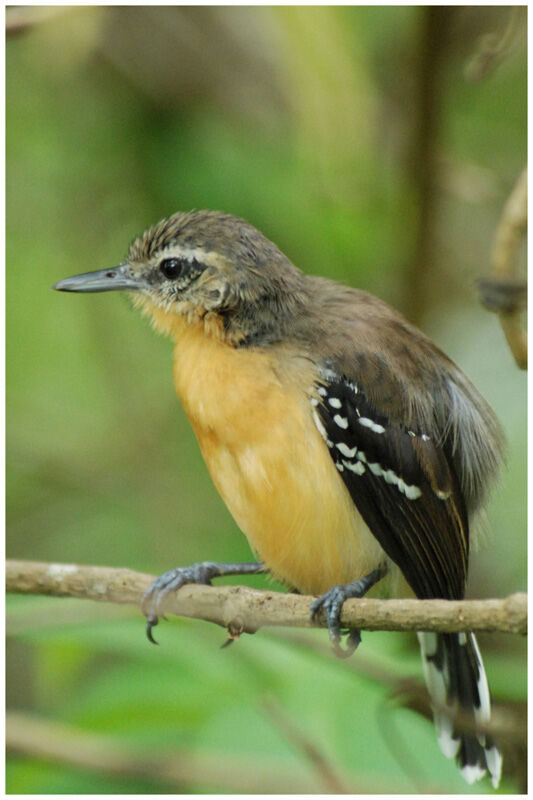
[{"x": 102, "y": 280}]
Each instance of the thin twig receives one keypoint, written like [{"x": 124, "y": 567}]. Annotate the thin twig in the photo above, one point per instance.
[
  {"x": 240, "y": 609},
  {"x": 328, "y": 773}
]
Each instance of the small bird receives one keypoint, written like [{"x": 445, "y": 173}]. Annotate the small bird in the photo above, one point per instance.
[{"x": 349, "y": 449}]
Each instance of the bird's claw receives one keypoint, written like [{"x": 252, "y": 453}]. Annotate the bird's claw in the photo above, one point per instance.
[
  {"x": 168, "y": 582},
  {"x": 331, "y": 603},
  {"x": 151, "y": 622}
]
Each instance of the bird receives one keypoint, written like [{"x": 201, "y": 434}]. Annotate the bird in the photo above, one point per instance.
[{"x": 350, "y": 450}]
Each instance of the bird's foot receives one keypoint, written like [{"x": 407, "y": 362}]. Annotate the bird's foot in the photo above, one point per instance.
[
  {"x": 200, "y": 573},
  {"x": 332, "y": 601}
]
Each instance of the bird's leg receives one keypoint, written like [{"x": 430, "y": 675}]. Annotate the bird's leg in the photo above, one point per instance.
[
  {"x": 170, "y": 581},
  {"x": 332, "y": 602}
]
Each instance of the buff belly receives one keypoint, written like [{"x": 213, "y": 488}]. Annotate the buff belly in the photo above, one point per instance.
[
  {"x": 298, "y": 518},
  {"x": 271, "y": 466}
]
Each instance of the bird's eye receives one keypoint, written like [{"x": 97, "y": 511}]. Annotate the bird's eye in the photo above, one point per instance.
[{"x": 171, "y": 267}]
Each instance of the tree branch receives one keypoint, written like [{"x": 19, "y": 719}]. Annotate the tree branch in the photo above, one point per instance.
[
  {"x": 175, "y": 767},
  {"x": 504, "y": 291},
  {"x": 243, "y": 610}
]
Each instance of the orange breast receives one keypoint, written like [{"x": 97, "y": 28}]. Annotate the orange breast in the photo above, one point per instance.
[{"x": 251, "y": 412}]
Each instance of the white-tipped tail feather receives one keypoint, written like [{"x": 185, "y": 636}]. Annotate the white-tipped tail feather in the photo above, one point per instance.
[{"x": 458, "y": 687}]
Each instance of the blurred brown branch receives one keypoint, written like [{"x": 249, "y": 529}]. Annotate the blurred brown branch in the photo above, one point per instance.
[
  {"x": 62, "y": 743},
  {"x": 504, "y": 291},
  {"x": 492, "y": 48},
  {"x": 240, "y": 609},
  {"x": 434, "y": 37}
]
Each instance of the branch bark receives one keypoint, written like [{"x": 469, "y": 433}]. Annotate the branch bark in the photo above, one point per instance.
[{"x": 243, "y": 610}]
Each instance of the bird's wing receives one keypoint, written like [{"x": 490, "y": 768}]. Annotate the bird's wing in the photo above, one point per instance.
[{"x": 403, "y": 484}]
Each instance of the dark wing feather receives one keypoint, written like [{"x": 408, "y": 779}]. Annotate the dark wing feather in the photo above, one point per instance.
[{"x": 403, "y": 485}]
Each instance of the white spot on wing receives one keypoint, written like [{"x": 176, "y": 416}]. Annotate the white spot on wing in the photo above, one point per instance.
[
  {"x": 335, "y": 402},
  {"x": 345, "y": 450},
  {"x": 369, "y": 423},
  {"x": 358, "y": 467},
  {"x": 412, "y": 492},
  {"x": 342, "y": 422},
  {"x": 390, "y": 477}
]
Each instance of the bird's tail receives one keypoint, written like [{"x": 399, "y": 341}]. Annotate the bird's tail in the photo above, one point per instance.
[{"x": 460, "y": 698}]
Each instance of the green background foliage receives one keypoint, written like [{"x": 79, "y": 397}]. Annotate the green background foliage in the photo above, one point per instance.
[{"x": 312, "y": 123}]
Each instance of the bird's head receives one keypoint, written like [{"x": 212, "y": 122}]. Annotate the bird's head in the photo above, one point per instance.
[{"x": 199, "y": 264}]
